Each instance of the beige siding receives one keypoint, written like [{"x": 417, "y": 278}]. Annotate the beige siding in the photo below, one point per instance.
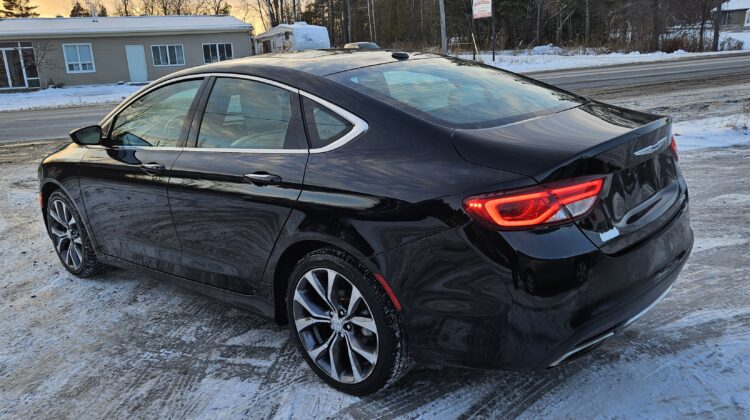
[{"x": 110, "y": 60}]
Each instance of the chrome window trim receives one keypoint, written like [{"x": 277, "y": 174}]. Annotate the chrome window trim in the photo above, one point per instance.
[
  {"x": 230, "y": 150},
  {"x": 359, "y": 126},
  {"x": 170, "y": 148}
]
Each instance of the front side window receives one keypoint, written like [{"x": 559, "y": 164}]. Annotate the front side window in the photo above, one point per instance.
[
  {"x": 456, "y": 93},
  {"x": 168, "y": 55},
  {"x": 245, "y": 114},
  {"x": 156, "y": 119},
  {"x": 213, "y": 53},
  {"x": 323, "y": 125},
  {"x": 78, "y": 58}
]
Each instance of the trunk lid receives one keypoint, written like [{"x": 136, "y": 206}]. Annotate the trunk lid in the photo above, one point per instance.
[{"x": 643, "y": 188}]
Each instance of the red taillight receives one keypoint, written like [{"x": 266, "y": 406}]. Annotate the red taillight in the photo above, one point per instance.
[
  {"x": 673, "y": 148},
  {"x": 536, "y": 206}
]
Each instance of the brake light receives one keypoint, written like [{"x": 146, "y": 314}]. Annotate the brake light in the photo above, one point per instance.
[
  {"x": 538, "y": 206},
  {"x": 673, "y": 148}
]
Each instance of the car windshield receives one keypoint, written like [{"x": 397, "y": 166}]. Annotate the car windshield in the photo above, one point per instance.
[{"x": 457, "y": 93}]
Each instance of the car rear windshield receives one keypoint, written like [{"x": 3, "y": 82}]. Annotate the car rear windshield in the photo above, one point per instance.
[{"x": 456, "y": 93}]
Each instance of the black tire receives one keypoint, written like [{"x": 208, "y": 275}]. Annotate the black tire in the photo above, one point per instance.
[
  {"x": 393, "y": 360},
  {"x": 82, "y": 262}
]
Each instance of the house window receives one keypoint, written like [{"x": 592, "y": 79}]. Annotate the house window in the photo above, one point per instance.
[
  {"x": 168, "y": 55},
  {"x": 728, "y": 18},
  {"x": 217, "y": 52},
  {"x": 18, "y": 66},
  {"x": 78, "y": 58}
]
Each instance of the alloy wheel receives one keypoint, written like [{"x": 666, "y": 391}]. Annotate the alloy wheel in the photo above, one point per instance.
[
  {"x": 66, "y": 234},
  {"x": 335, "y": 325}
]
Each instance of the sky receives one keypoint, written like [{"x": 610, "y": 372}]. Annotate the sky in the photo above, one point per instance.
[{"x": 52, "y": 8}]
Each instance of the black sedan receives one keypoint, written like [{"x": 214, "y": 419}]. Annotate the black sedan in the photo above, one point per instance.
[{"x": 392, "y": 208}]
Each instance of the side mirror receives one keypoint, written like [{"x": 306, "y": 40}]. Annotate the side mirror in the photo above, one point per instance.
[{"x": 87, "y": 135}]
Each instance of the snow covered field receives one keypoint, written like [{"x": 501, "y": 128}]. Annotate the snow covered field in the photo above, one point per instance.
[
  {"x": 549, "y": 57},
  {"x": 123, "y": 345},
  {"x": 66, "y": 97}
]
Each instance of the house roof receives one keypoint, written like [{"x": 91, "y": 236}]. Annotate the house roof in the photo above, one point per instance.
[
  {"x": 735, "y": 5},
  {"x": 117, "y": 26}
]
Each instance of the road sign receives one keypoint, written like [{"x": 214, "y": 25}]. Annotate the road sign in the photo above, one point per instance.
[{"x": 481, "y": 8}]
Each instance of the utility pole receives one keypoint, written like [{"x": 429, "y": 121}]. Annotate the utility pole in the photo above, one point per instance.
[
  {"x": 443, "y": 37},
  {"x": 369, "y": 20},
  {"x": 348, "y": 21},
  {"x": 717, "y": 25},
  {"x": 330, "y": 21},
  {"x": 493, "y": 31}
]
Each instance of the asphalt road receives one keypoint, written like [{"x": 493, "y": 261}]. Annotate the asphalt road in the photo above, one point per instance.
[
  {"x": 56, "y": 123},
  {"x": 46, "y": 124},
  {"x": 648, "y": 73}
]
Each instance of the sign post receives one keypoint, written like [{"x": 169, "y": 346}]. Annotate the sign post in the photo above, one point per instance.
[{"x": 483, "y": 9}]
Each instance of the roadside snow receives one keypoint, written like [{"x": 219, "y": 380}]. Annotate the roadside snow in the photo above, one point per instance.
[
  {"x": 713, "y": 132},
  {"x": 740, "y": 36},
  {"x": 550, "y": 57},
  {"x": 65, "y": 97}
]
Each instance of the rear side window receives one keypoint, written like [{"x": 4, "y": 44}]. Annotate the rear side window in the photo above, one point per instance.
[
  {"x": 245, "y": 114},
  {"x": 323, "y": 125},
  {"x": 456, "y": 93},
  {"x": 157, "y": 118}
]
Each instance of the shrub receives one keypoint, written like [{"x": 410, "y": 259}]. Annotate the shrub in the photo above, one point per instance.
[{"x": 731, "y": 44}]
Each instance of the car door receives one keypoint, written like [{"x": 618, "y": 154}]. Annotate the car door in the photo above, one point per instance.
[
  {"x": 124, "y": 182},
  {"x": 232, "y": 192}
]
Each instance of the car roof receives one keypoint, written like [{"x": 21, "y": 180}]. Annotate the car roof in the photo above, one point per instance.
[{"x": 313, "y": 62}]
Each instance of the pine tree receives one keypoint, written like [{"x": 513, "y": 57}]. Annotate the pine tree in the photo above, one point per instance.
[
  {"x": 101, "y": 11},
  {"x": 225, "y": 9},
  {"x": 18, "y": 9},
  {"x": 78, "y": 10}
]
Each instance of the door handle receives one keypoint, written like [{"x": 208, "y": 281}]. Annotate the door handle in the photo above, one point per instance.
[
  {"x": 153, "y": 168},
  {"x": 262, "y": 178}
]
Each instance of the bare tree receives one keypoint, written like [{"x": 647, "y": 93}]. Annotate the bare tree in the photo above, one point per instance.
[
  {"x": 126, "y": 8},
  {"x": 45, "y": 57}
]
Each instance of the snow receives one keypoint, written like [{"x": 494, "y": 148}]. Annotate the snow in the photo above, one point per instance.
[
  {"x": 550, "y": 57},
  {"x": 740, "y": 36},
  {"x": 66, "y": 97},
  {"x": 50, "y": 27},
  {"x": 124, "y": 344},
  {"x": 712, "y": 132},
  {"x": 735, "y": 5}
]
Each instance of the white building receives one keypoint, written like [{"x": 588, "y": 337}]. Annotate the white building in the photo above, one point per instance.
[{"x": 298, "y": 36}]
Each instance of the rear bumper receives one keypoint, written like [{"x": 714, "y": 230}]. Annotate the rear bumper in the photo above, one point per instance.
[{"x": 527, "y": 300}]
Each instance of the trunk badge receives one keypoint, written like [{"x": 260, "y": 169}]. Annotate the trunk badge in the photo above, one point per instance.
[{"x": 653, "y": 148}]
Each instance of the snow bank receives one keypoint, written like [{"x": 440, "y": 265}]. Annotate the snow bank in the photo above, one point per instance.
[
  {"x": 713, "y": 132},
  {"x": 549, "y": 57},
  {"x": 547, "y": 50},
  {"x": 65, "y": 97},
  {"x": 739, "y": 36}
]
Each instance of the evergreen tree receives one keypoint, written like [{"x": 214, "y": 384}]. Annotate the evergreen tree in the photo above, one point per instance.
[
  {"x": 18, "y": 9},
  {"x": 78, "y": 10}
]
